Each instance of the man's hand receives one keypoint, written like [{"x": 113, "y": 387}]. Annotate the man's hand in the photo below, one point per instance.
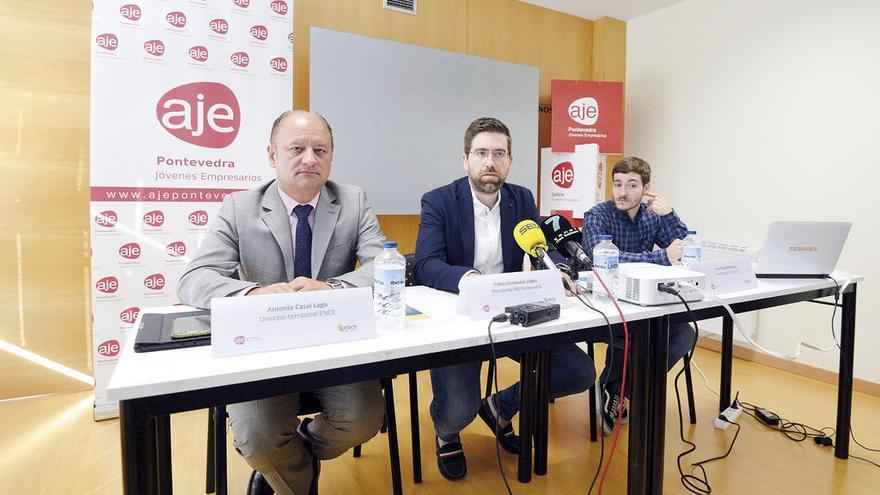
[
  {"x": 575, "y": 288},
  {"x": 658, "y": 204},
  {"x": 673, "y": 252},
  {"x": 298, "y": 284}
]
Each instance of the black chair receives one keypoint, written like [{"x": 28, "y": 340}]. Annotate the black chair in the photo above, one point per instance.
[{"x": 216, "y": 469}]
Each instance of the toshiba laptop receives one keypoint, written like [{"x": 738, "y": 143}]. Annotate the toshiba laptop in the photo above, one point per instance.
[{"x": 801, "y": 249}]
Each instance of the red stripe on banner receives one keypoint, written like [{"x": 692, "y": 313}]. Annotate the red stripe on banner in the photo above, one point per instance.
[{"x": 160, "y": 194}]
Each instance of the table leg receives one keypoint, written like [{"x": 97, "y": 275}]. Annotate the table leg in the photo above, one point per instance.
[
  {"x": 659, "y": 349},
  {"x": 163, "y": 453},
  {"x": 638, "y": 380},
  {"x": 526, "y": 416},
  {"x": 726, "y": 362},
  {"x": 139, "y": 460},
  {"x": 542, "y": 412},
  {"x": 845, "y": 374}
]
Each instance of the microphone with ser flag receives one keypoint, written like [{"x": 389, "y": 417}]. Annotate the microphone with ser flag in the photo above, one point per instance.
[
  {"x": 530, "y": 238},
  {"x": 566, "y": 238}
]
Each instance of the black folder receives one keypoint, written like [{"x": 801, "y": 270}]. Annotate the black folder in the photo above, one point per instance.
[{"x": 158, "y": 332}]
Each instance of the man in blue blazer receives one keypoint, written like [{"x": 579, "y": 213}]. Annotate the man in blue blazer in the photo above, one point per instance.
[{"x": 466, "y": 229}]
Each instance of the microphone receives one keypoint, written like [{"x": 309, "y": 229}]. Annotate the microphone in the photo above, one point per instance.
[
  {"x": 566, "y": 238},
  {"x": 530, "y": 238}
]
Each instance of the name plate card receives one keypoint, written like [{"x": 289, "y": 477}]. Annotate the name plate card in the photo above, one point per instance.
[
  {"x": 725, "y": 276},
  {"x": 271, "y": 322},
  {"x": 485, "y": 296}
]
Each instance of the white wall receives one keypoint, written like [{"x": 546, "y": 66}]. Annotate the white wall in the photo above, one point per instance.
[{"x": 753, "y": 111}]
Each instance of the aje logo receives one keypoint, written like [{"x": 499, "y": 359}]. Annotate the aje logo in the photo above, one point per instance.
[
  {"x": 155, "y": 281},
  {"x": 199, "y": 53},
  {"x": 176, "y": 19},
  {"x": 131, "y": 12},
  {"x": 155, "y": 48},
  {"x": 130, "y": 251},
  {"x": 107, "y": 41},
  {"x": 175, "y": 249},
  {"x": 107, "y": 285},
  {"x": 584, "y": 110},
  {"x": 219, "y": 26},
  {"x": 563, "y": 175},
  {"x": 279, "y": 64},
  {"x": 259, "y": 32},
  {"x": 242, "y": 3},
  {"x": 109, "y": 348},
  {"x": 240, "y": 59},
  {"x": 129, "y": 315},
  {"x": 279, "y": 7},
  {"x": 154, "y": 218},
  {"x": 201, "y": 113},
  {"x": 106, "y": 218},
  {"x": 199, "y": 217}
]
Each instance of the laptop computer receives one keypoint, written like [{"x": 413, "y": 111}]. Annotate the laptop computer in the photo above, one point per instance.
[
  {"x": 158, "y": 332},
  {"x": 801, "y": 249}
]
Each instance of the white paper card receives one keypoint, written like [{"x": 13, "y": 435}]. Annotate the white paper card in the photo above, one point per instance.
[
  {"x": 725, "y": 276},
  {"x": 244, "y": 325},
  {"x": 487, "y": 295}
]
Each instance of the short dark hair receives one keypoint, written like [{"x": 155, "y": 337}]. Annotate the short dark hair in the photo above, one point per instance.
[
  {"x": 633, "y": 164},
  {"x": 485, "y": 124},
  {"x": 288, "y": 113}
]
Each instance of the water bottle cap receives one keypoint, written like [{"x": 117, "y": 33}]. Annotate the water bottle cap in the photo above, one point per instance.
[
  {"x": 389, "y": 244},
  {"x": 692, "y": 232},
  {"x": 604, "y": 237}
]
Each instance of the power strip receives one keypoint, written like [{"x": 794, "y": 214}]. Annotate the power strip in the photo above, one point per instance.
[{"x": 730, "y": 415}]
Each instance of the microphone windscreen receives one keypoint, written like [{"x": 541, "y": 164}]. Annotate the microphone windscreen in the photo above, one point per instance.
[{"x": 529, "y": 237}]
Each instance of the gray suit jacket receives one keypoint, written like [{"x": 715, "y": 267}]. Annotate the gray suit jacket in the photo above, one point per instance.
[{"x": 249, "y": 243}]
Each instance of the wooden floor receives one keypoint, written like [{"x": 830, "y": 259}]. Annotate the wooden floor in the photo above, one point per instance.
[{"x": 51, "y": 445}]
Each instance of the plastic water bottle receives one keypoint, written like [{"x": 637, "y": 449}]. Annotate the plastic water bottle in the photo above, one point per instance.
[
  {"x": 691, "y": 251},
  {"x": 389, "y": 282},
  {"x": 606, "y": 257}
]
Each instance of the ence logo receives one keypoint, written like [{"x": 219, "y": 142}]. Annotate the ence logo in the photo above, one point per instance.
[
  {"x": 279, "y": 64},
  {"x": 106, "y": 218},
  {"x": 109, "y": 348},
  {"x": 240, "y": 59},
  {"x": 154, "y": 218},
  {"x": 107, "y": 285},
  {"x": 198, "y": 53},
  {"x": 242, "y": 3},
  {"x": 129, "y": 315},
  {"x": 176, "y": 19},
  {"x": 279, "y": 7},
  {"x": 155, "y": 48},
  {"x": 130, "y": 251},
  {"x": 131, "y": 12},
  {"x": 175, "y": 249},
  {"x": 259, "y": 32},
  {"x": 107, "y": 41},
  {"x": 219, "y": 26},
  {"x": 202, "y": 113},
  {"x": 346, "y": 328},
  {"x": 155, "y": 281},
  {"x": 584, "y": 110},
  {"x": 199, "y": 217},
  {"x": 563, "y": 175}
]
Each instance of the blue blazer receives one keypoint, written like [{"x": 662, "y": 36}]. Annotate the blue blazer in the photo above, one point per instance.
[{"x": 445, "y": 244}]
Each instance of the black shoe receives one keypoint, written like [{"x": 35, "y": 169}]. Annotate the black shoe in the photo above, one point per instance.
[
  {"x": 506, "y": 438},
  {"x": 451, "y": 460},
  {"x": 609, "y": 405},
  {"x": 257, "y": 485}
]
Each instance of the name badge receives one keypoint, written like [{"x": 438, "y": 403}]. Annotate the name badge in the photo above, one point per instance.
[
  {"x": 485, "y": 296},
  {"x": 728, "y": 275},
  {"x": 270, "y": 322}
]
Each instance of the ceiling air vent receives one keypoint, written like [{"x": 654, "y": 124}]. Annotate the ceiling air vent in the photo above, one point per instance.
[{"x": 405, "y": 6}]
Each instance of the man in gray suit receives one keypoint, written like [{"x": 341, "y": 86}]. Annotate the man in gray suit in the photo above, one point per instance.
[{"x": 299, "y": 232}]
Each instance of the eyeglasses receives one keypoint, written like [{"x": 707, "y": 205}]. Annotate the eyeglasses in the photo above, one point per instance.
[{"x": 484, "y": 154}]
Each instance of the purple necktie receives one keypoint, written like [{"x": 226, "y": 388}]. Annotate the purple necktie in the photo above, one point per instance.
[{"x": 302, "y": 258}]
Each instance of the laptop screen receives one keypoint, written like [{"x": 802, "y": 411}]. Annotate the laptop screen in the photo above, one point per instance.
[{"x": 802, "y": 248}]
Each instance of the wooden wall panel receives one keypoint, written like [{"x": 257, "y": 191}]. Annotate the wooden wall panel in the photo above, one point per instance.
[{"x": 609, "y": 64}]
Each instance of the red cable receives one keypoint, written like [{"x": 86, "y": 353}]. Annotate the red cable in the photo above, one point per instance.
[{"x": 623, "y": 379}]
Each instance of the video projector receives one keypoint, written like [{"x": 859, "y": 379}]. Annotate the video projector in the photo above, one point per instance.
[{"x": 637, "y": 283}]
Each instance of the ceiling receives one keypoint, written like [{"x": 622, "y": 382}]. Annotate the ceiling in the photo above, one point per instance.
[{"x": 624, "y": 10}]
